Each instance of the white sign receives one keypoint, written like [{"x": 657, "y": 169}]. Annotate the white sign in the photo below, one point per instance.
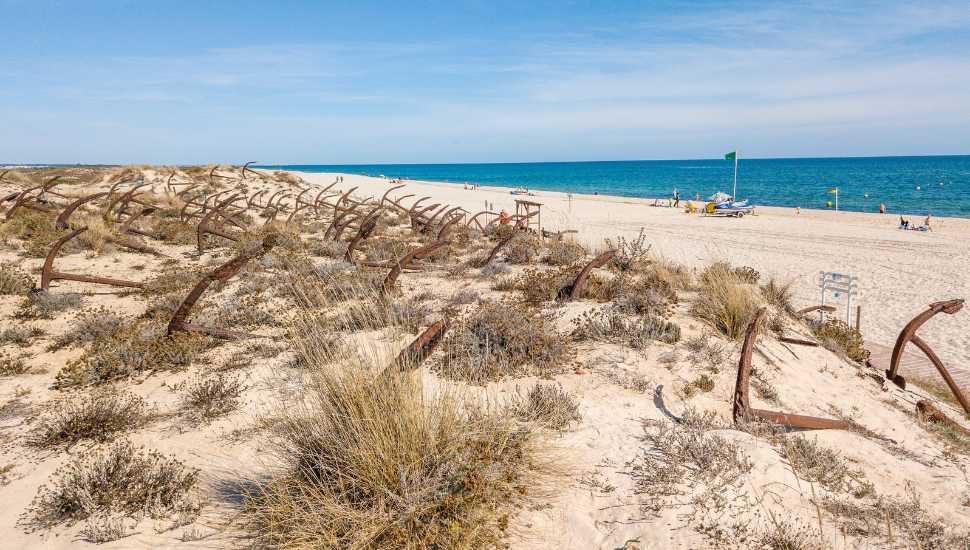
[{"x": 842, "y": 286}]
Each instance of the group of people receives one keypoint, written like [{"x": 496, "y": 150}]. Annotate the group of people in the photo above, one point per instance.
[
  {"x": 904, "y": 224},
  {"x": 474, "y": 185},
  {"x": 505, "y": 219}
]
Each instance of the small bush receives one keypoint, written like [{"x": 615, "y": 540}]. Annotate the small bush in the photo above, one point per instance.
[
  {"x": 214, "y": 397},
  {"x": 522, "y": 249},
  {"x": 815, "y": 463},
  {"x": 629, "y": 254},
  {"x": 130, "y": 349},
  {"x": 704, "y": 383},
  {"x": 646, "y": 296},
  {"x": 838, "y": 337},
  {"x": 550, "y": 405},
  {"x": 636, "y": 332},
  {"x": 564, "y": 254},
  {"x": 747, "y": 275},
  {"x": 119, "y": 479},
  {"x": 687, "y": 455},
  {"x": 97, "y": 417},
  {"x": 503, "y": 339},
  {"x": 492, "y": 270},
  {"x": 45, "y": 305},
  {"x": 12, "y": 366},
  {"x": 88, "y": 326},
  {"x": 706, "y": 351},
  {"x": 20, "y": 336},
  {"x": 14, "y": 280},
  {"x": 174, "y": 231},
  {"x": 725, "y": 301},
  {"x": 327, "y": 249}
]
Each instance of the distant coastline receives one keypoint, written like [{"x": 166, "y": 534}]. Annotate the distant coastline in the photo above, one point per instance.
[{"x": 789, "y": 183}]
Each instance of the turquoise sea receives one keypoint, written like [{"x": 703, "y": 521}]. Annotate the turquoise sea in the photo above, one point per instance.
[{"x": 906, "y": 185}]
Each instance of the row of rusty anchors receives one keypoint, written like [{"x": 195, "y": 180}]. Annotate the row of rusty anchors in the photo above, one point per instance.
[
  {"x": 222, "y": 274},
  {"x": 63, "y": 222},
  {"x": 742, "y": 411},
  {"x": 908, "y": 334},
  {"x": 32, "y": 197}
]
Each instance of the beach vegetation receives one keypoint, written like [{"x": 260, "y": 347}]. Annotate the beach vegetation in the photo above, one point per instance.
[
  {"x": 503, "y": 339},
  {"x": 550, "y": 405},
  {"x": 214, "y": 397},
  {"x": 368, "y": 461},
  {"x": 724, "y": 301},
  {"x": 564, "y": 254},
  {"x": 637, "y": 332},
  {"x": 96, "y": 417},
  {"x": 630, "y": 254},
  {"x": 44, "y": 304},
  {"x": 838, "y": 337},
  {"x": 14, "y": 280},
  {"x": 119, "y": 479}
]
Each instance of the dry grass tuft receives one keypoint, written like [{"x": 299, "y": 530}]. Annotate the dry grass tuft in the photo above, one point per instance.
[
  {"x": 725, "y": 301},
  {"x": 119, "y": 479},
  {"x": 367, "y": 461},
  {"x": 778, "y": 293},
  {"x": 550, "y": 405}
]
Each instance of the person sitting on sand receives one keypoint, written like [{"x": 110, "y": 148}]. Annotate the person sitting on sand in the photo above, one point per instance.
[
  {"x": 503, "y": 218},
  {"x": 656, "y": 202},
  {"x": 882, "y": 208}
]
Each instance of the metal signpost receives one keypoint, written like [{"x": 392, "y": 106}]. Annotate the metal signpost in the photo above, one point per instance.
[{"x": 843, "y": 286}]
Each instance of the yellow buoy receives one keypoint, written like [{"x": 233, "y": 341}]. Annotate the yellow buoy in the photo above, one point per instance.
[
  {"x": 941, "y": 183},
  {"x": 917, "y": 188},
  {"x": 829, "y": 204},
  {"x": 866, "y": 196},
  {"x": 798, "y": 208}
]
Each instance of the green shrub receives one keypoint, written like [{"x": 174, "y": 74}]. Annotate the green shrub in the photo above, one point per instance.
[{"x": 840, "y": 338}]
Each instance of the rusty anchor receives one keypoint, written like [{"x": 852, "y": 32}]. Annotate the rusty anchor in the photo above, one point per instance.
[
  {"x": 417, "y": 254},
  {"x": 572, "y": 291},
  {"x": 365, "y": 231},
  {"x": 246, "y": 167},
  {"x": 24, "y": 197},
  {"x": 931, "y": 413},
  {"x": 908, "y": 334},
  {"x": 742, "y": 410},
  {"x": 222, "y": 274},
  {"x": 424, "y": 345},
  {"x": 827, "y": 309},
  {"x": 48, "y": 274}
]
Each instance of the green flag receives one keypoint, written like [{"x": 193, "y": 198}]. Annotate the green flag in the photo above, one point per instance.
[{"x": 731, "y": 156}]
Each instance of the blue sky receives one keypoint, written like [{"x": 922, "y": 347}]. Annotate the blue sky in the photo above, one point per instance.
[{"x": 451, "y": 81}]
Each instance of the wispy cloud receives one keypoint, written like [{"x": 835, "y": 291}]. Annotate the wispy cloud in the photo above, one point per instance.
[{"x": 849, "y": 79}]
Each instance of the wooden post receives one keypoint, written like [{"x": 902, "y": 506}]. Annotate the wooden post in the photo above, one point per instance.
[{"x": 858, "y": 316}]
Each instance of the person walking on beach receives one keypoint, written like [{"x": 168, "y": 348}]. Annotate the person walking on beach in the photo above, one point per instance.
[{"x": 676, "y": 198}]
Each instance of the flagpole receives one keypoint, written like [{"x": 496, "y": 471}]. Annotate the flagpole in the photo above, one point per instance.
[
  {"x": 734, "y": 197},
  {"x": 836, "y": 199}
]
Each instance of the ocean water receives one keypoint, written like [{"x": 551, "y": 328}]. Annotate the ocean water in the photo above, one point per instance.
[{"x": 906, "y": 185}]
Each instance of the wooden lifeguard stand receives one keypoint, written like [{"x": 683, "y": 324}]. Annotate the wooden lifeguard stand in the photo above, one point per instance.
[{"x": 524, "y": 208}]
